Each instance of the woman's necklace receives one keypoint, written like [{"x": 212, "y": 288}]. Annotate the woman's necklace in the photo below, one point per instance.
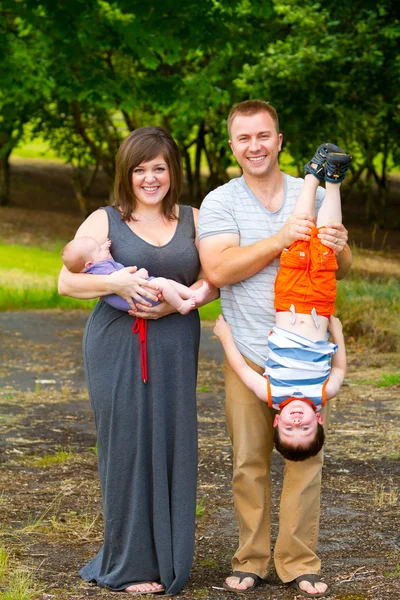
[{"x": 147, "y": 218}]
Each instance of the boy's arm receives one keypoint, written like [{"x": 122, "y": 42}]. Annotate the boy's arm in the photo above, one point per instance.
[
  {"x": 253, "y": 380},
  {"x": 338, "y": 370}
]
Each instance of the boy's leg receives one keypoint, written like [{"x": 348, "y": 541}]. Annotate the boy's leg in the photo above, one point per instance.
[
  {"x": 331, "y": 208},
  {"x": 305, "y": 203},
  {"x": 250, "y": 426}
]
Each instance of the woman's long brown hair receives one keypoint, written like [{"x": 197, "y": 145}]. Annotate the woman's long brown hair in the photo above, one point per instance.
[{"x": 142, "y": 145}]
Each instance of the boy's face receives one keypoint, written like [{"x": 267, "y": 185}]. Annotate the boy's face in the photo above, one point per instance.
[{"x": 297, "y": 423}]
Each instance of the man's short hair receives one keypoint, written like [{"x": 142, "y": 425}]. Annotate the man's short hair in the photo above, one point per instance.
[
  {"x": 249, "y": 108},
  {"x": 300, "y": 453}
]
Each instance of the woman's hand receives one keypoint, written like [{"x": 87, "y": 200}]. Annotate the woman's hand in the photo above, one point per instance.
[
  {"x": 130, "y": 283},
  {"x": 152, "y": 312}
]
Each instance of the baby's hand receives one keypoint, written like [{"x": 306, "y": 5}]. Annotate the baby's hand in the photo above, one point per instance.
[
  {"x": 142, "y": 273},
  {"x": 106, "y": 245},
  {"x": 335, "y": 326},
  {"x": 221, "y": 327}
]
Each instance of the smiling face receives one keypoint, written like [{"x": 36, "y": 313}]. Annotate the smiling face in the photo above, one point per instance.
[
  {"x": 150, "y": 182},
  {"x": 256, "y": 144},
  {"x": 297, "y": 423}
]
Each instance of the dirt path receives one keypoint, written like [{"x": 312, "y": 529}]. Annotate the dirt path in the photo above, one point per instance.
[{"x": 50, "y": 503}]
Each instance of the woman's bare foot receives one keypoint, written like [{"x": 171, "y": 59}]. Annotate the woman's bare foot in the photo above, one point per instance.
[{"x": 151, "y": 587}]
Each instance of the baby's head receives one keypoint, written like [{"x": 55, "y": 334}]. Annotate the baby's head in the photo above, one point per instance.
[
  {"x": 298, "y": 431},
  {"x": 82, "y": 252}
]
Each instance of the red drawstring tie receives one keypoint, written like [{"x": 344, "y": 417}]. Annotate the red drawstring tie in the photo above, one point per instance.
[{"x": 140, "y": 327}]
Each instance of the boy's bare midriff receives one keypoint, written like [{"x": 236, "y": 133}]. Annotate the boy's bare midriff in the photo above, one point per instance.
[{"x": 304, "y": 325}]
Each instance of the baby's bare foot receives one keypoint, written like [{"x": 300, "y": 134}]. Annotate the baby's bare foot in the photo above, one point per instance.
[
  {"x": 187, "y": 306},
  {"x": 201, "y": 294}
]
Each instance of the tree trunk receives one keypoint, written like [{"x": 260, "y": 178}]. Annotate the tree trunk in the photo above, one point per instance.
[
  {"x": 197, "y": 170},
  {"x": 5, "y": 180},
  {"x": 189, "y": 173}
]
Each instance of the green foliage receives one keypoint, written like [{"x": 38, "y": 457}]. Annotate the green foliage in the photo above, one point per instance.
[{"x": 85, "y": 73}]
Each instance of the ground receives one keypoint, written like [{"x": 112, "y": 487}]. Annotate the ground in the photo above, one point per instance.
[{"x": 50, "y": 507}]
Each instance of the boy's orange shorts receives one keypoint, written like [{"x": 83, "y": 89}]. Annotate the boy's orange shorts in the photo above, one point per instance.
[{"x": 306, "y": 277}]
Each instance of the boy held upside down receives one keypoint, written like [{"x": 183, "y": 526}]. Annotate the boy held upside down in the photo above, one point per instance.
[
  {"x": 303, "y": 369},
  {"x": 86, "y": 255}
]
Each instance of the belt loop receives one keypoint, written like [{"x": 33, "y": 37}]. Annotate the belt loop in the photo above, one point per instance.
[
  {"x": 315, "y": 317},
  {"x": 292, "y": 309}
]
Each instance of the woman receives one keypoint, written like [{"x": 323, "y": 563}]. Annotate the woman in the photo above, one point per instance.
[{"x": 147, "y": 432}]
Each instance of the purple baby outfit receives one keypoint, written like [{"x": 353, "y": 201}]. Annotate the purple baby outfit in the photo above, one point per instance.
[{"x": 105, "y": 267}]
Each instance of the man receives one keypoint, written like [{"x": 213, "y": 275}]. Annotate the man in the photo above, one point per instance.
[{"x": 243, "y": 227}]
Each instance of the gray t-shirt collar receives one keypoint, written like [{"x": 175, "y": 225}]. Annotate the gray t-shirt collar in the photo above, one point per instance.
[{"x": 253, "y": 197}]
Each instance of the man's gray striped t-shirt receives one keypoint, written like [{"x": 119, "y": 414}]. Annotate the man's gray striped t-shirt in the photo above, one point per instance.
[{"x": 248, "y": 305}]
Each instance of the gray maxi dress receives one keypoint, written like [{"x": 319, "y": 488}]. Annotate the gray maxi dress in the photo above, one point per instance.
[{"x": 147, "y": 433}]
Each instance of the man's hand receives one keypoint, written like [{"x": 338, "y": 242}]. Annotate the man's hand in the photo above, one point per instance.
[
  {"x": 297, "y": 227},
  {"x": 334, "y": 236}
]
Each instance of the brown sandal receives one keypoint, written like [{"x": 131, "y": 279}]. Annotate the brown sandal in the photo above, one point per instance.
[{"x": 242, "y": 575}]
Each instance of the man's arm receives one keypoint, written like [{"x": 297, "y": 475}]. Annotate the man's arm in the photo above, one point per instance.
[
  {"x": 344, "y": 260},
  {"x": 254, "y": 381},
  {"x": 335, "y": 236},
  {"x": 225, "y": 262}
]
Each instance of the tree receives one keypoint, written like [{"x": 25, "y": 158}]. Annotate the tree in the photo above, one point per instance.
[
  {"x": 333, "y": 73},
  {"x": 25, "y": 86}
]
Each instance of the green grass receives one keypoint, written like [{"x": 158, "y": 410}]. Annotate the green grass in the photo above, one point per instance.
[
  {"x": 20, "y": 586},
  {"x": 210, "y": 312},
  {"x": 369, "y": 310},
  {"x": 16, "y": 583},
  {"x": 61, "y": 455},
  {"x": 28, "y": 279},
  {"x": 37, "y": 148},
  {"x": 4, "y": 562},
  {"x": 389, "y": 380},
  {"x": 200, "y": 508}
]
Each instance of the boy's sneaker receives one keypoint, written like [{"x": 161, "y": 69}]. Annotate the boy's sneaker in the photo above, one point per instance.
[
  {"x": 337, "y": 163},
  {"x": 335, "y": 157},
  {"x": 316, "y": 166}
]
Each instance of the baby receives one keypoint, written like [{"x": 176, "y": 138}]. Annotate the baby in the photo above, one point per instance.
[
  {"x": 303, "y": 369},
  {"x": 86, "y": 255}
]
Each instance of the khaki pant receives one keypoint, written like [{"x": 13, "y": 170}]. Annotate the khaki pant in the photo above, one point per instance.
[{"x": 250, "y": 427}]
